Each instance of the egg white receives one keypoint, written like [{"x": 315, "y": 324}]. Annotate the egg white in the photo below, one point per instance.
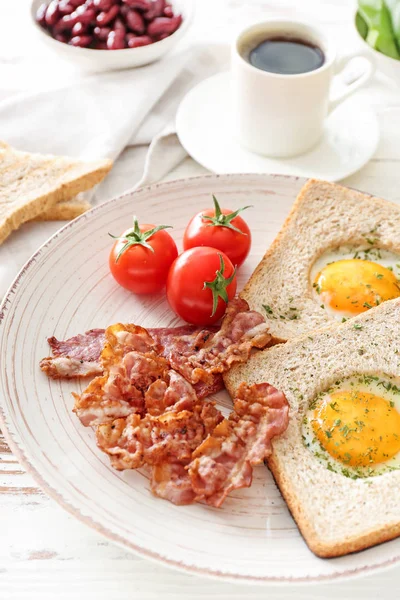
[
  {"x": 382, "y": 257},
  {"x": 384, "y": 386}
]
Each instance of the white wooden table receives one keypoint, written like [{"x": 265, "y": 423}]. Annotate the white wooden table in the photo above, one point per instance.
[{"x": 44, "y": 552}]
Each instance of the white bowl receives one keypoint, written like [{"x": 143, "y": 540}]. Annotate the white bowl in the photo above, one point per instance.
[
  {"x": 109, "y": 60},
  {"x": 388, "y": 65}
]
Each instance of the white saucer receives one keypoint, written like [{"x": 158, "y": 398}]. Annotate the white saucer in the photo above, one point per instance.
[{"x": 205, "y": 127}]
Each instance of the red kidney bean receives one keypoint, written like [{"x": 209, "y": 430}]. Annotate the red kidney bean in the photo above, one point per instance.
[
  {"x": 61, "y": 38},
  {"x": 134, "y": 41},
  {"x": 79, "y": 29},
  {"x": 163, "y": 25},
  {"x": 124, "y": 9},
  {"x": 52, "y": 13},
  {"x": 135, "y": 22},
  {"x": 73, "y": 21},
  {"x": 104, "y": 4},
  {"x": 156, "y": 9},
  {"x": 101, "y": 33},
  {"x": 119, "y": 25},
  {"x": 41, "y": 15},
  {"x": 63, "y": 24},
  {"x": 81, "y": 15},
  {"x": 140, "y": 4},
  {"x": 116, "y": 40},
  {"x": 65, "y": 7},
  {"x": 85, "y": 15},
  {"x": 82, "y": 41},
  {"x": 104, "y": 18},
  {"x": 100, "y": 46}
]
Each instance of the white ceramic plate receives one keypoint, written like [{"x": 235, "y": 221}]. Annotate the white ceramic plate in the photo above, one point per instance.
[
  {"x": 66, "y": 288},
  {"x": 206, "y": 129}
]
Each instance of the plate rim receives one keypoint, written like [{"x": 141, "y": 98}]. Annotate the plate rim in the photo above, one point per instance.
[{"x": 17, "y": 445}]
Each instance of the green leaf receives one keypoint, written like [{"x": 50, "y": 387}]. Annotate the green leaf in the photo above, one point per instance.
[
  {"x": 378, "y": 19},
  {"x": 361, "y": 26},
  {"x": 394, "y": 11}
]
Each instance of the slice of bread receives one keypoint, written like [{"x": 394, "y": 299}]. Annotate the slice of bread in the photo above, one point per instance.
[
  {"x": 65, "y": 211},
  {"x": 335, "y": 514},
  {"x": 324, "y": 217},
  {"x": 31, "y": 184}
]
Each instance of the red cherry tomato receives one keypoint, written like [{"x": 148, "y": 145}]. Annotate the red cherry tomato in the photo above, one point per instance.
[
  {"x": 200, "y": 283},
  {"x": 141, "y": 257},
  {"x": 221, "y": 229}
]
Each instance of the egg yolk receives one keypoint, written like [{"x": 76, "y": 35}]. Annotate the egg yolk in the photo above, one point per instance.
[
  {"x": 357, "y": 428},
  {"x": 353, "y": 286}
]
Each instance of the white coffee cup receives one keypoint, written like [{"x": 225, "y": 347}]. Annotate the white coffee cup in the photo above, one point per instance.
[{"x": 283, "y": 115}]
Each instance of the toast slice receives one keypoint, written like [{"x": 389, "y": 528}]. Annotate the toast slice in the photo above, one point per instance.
[
  {"x": 335, "y": 513},
  {"x": 324, "y": 217},
  {"x": 31, "y": 184},
  {"x": 65, "y": 211}
]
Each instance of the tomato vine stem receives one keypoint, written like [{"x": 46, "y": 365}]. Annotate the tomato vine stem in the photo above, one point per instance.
[
  {"x": 135, "y": 237},
  {"x": 221, "y": 220},
  {"x": 219, "y": 284}
]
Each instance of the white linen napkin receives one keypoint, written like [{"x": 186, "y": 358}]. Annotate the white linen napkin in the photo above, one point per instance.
[
  {"x": 99, "y": 115},
  {"x": 93, "y": 118},
  {"x": 165, "y": 151}
]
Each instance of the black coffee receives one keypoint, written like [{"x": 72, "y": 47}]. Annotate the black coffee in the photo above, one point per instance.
[{"x": 286, "y": 56}]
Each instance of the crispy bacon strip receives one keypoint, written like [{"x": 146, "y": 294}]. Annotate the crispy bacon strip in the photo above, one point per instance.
[
  {"x": 79, "y": 356},
  {"x": 64, "y": 367},
  {"x": 181, "y": 339},
  {"x": 224, "y": 461},
  {"x": 171, "y": 437},
  {"x": 200, "y": 355},
  {"x": 175, "y": 424},
  {"x": 147, "y": 403},
  {"x": 130, "y": 365},
  {"x": 121, "y": 339},
  {"x": 177, "y": 395},
  {"x": 76, "y": 357},
  {"x": 83, "y": 347},
  {"x": 72, "y": 360},
  {"x": 207, "y": 388},
  {"x": 241, "y": 331},
  {"x": 178, "y": 343},
  {"x": 171, "y": 481}
]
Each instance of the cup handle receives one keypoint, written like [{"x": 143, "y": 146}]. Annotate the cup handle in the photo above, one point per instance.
[{"x": 353, "y": 79}]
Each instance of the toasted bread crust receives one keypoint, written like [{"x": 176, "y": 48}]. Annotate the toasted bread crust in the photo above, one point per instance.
[
  {"x": 64, "y": 211},
  {"x": 31, "y": 184},
  {"x": 336, "y": 515},
  {"x": 321, "y": 549},
  {"x": 323, "y": 217}
]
